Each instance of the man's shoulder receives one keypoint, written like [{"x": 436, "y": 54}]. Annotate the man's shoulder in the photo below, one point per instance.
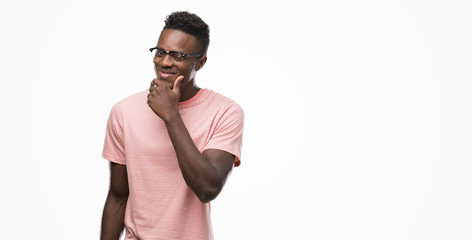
[
  {"x": 133, "y": 101},
  {"x": 221, "y": 100},
  {"x": 135, "y": 97}
]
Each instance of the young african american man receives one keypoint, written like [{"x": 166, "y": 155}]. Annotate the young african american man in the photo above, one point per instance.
[{"x": 171, "y": 147}]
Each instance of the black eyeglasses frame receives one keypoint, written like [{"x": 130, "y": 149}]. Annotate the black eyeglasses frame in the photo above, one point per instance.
[{"x": 184, "y": 55}]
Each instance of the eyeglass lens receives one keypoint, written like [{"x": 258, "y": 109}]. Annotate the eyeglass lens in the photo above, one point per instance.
[{"x": 160, "y": 54}]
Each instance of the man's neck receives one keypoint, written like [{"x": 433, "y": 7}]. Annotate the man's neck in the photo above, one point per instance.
[{"x": 189, "y": 92}]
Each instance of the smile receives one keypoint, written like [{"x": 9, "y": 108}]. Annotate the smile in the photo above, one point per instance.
[{"x": 166, "y": 74}]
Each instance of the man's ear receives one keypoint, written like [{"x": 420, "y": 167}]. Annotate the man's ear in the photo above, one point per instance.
[{"x": 201, "y": 62}]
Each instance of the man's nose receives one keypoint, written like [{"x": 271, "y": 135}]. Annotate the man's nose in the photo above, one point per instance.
[{"x": 166, "y": 61}]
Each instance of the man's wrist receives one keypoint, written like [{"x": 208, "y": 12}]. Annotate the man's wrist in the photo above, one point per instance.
[{"x": 172, "y": 118}]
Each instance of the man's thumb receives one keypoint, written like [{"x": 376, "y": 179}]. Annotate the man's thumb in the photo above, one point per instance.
[{"x": 177, "y": 83}]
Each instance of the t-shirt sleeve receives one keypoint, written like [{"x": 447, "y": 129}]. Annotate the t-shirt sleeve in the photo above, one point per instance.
[
  {"x": 229, "y": 133},
  {"x": 113, "y": 148}
]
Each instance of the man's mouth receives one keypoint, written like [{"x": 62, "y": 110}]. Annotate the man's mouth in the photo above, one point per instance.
[{"x": 166, "y": 74}]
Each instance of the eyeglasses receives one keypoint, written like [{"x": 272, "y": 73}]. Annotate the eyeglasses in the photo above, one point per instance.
[{"x": 158, "y": 52}]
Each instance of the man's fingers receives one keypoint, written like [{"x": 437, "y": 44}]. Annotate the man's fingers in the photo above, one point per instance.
[
  {"x": 153, "y": 85},
  {"x": 177, "y": 83}
]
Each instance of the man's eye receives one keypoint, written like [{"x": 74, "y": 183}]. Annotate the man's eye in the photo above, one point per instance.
[
  {"x": 177, "y": 56},
  {"x": 160, "y": 53}
]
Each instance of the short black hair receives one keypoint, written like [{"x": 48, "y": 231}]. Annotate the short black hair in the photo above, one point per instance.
[{"x": 192, "y": 24}]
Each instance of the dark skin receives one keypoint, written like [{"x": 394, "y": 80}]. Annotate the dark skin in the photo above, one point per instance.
[
  {"x": 115, "y": 205},
  {"x": 205, "y": 173}
]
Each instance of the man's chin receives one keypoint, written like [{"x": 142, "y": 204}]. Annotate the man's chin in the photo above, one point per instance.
[{"x": 169, "y": 82}]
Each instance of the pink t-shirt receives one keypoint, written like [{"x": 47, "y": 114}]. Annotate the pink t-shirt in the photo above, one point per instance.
[{"x": 160, "y": 204}]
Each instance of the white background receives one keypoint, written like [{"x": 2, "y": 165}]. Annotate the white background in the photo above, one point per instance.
[{"x": 358, "y": 114}]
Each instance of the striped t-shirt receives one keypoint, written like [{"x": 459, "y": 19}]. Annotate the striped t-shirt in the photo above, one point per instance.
[{"x": 160, "y": 204}]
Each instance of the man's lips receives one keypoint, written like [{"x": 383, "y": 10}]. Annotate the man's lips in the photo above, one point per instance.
[{"x": 166, "y": 74}]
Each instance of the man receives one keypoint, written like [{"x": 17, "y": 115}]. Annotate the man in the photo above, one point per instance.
[{"x": 171, "y": 147}]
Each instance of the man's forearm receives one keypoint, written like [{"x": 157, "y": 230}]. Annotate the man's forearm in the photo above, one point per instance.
[
  {"x": 113, "y": 218},
  {"x": 200, "y": 175},
  {"x": 204, "y": 173}
]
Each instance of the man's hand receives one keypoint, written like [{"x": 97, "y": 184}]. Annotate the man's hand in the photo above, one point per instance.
[{"x": 163, "y": 100}]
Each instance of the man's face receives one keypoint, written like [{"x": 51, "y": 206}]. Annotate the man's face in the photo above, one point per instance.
[{"x": 168, "y": 68}]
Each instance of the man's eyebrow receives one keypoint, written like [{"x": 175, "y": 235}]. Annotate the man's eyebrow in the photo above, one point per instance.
[{"x": 170, "y": 50}]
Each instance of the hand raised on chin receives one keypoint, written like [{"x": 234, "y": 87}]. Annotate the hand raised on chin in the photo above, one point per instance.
[{"x": 163, "y": 100}]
